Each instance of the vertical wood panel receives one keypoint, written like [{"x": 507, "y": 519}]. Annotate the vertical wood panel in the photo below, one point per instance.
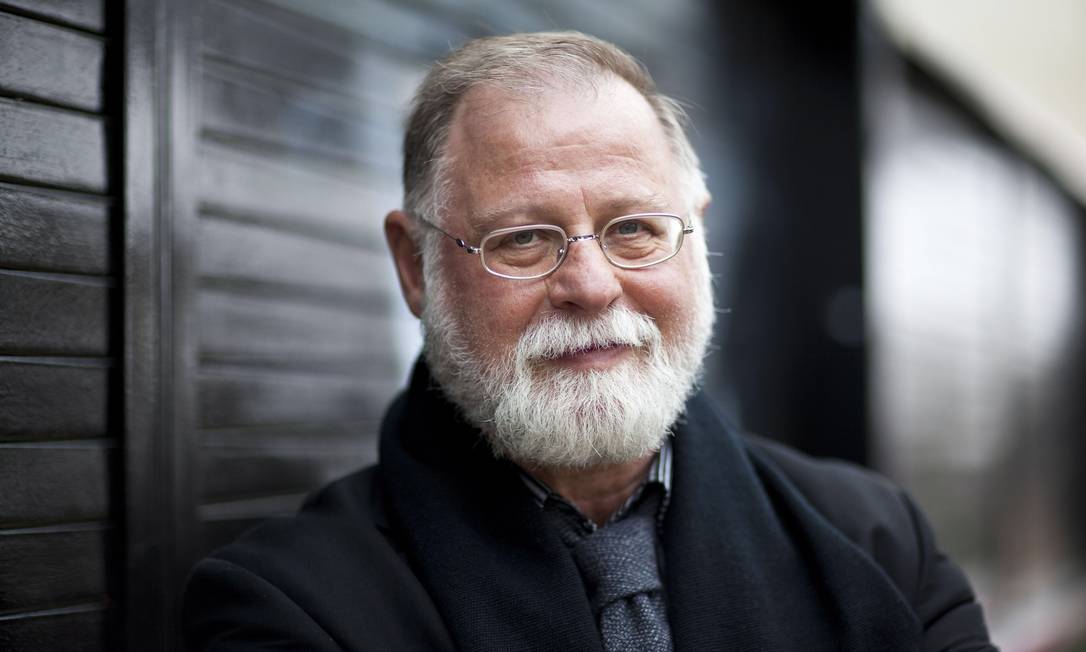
[{"x": 150, "y": 504}]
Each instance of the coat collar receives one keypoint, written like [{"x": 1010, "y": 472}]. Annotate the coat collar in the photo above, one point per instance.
[
  {"x": 500, "y": 577},
  {"x": 752, "y": 566},
  {"x": 749, "y": 564}
]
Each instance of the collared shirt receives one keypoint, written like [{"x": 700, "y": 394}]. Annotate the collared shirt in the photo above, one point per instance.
[{"x": 575, "y": 525}]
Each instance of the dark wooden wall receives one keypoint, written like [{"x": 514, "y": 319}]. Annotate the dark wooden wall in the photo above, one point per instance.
[
  {"x": 58, "y": 346},
  {"x": 275, "y": 154},
  {"x": 295, "y": 165}
]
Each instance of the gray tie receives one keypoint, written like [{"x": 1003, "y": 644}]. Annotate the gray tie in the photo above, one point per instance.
[{"x": 619, "y": 567}]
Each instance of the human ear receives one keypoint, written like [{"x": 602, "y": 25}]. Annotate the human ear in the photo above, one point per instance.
[
  {"x": 703, "y": 204},
  {"x": 408, "y": 259}
]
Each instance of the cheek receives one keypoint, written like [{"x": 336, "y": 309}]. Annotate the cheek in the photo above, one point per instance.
[
  {"x": 666, "y": 292},
  {"x": 497, "y": 310}
]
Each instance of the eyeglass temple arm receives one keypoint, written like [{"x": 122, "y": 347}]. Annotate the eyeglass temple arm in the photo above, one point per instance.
[{"x": 459, "y": 243}]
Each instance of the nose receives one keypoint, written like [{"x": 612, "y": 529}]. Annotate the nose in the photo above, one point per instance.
[{"x": 585, "y": 282}]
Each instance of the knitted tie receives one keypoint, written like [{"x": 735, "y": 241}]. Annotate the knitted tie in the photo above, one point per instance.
[{"x": 619, "y": 567}]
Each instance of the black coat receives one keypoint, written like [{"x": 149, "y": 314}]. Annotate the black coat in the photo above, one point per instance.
[{"x": 440, "y": 547}]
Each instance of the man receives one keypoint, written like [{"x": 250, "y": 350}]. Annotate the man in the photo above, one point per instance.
[{"x": 551, "y": 480}]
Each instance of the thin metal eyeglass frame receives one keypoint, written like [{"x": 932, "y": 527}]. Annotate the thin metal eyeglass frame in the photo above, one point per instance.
[{"x": 570, "y": 239}]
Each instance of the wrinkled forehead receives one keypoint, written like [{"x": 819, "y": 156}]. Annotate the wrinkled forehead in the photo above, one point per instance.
[{"x": 587, "y": 132}]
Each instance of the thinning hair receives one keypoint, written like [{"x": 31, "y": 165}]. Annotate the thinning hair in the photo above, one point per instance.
[{"x": 523, "y": 63}]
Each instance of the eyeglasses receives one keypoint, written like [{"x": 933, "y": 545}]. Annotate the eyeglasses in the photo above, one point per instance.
[{"x": 535, "y": 250}]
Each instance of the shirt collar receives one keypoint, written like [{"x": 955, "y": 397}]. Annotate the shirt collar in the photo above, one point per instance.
[{"x": 659, "y": 473}]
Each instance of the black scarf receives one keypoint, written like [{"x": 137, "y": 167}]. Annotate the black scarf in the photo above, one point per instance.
[{"x": 750, "y": 564}]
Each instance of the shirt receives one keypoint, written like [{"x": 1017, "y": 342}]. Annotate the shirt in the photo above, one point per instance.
[{"x": 573, "y": 525}]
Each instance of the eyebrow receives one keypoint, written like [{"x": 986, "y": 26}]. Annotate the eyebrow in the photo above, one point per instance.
[{"x": 646, "y": 203}]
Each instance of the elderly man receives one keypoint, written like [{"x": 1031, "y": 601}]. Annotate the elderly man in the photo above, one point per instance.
[{"x": 551, "y": 479}]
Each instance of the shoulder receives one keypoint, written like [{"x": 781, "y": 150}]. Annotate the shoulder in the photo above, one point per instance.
[
  {"x": 345, "y": 510},
  {"x": 879, "y": 517},
  {"x": 320, "y": 578},
  {"x": 865, "y": 507}
]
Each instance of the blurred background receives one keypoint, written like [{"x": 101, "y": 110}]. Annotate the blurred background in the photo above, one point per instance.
[{"x": 199, "y": 323}]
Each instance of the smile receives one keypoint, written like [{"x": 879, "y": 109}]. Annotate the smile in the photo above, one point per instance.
[{"x": 594, "y": 357}]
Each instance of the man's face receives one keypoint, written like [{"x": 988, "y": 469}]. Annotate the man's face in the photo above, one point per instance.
[{"x": 575, "y": 157}]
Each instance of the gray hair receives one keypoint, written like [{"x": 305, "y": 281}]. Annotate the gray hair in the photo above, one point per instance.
[{"x": 523, "y": 62}]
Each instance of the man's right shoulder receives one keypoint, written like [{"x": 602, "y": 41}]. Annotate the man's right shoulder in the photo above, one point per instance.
[
  {"x": 328, "y": 577},
  {"x": 349, "y": 509}
]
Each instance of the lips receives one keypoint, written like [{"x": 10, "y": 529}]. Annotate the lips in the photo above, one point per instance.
[
  {"x": 592, "y": 347},
  {"x": 586, "y": 349},
  {"x": 596, "y": 356}
]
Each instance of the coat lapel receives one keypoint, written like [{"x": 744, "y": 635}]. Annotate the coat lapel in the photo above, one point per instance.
[
  {"x": 751, "y": 566},
  {"x": 500, "y": 578}
]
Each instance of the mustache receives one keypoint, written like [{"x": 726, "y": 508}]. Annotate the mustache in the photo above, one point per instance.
[{"x": 555, "y": 334}]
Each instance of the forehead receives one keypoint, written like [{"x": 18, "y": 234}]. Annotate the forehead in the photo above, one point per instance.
[{"x": 595, "y": 145}]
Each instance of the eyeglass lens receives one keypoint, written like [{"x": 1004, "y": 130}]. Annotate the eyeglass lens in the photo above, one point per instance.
[{"x": 635, "y": 241}]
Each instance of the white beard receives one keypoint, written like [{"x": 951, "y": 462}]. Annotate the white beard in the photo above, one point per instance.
[{"x": 541, "y": 416}]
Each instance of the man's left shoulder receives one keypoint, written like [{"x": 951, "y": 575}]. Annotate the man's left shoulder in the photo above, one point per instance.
[
  {"x": 882, "y": 520},
  {"x": 866, "y": 507}
]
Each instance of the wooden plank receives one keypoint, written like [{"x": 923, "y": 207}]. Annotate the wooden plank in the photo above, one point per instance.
[
  {"x": 239, "y": 251},
  {"x": 302, "y": 436},
  {"x": 48, "y": 568},
  {"x": 299, "y": 49},
  {"x": 250, "y": 508},
  {"x": 53, "y": 483},
  {"x": 270, "y": 332},
  {"x": 54, "y": 231},
  {"x": 74, "y": 629},
  {"x": 52, "y": 401},
  {"x": 56, "y": 64},
  {"x": 88, "y": 14},
  {"x": 53, "y": 315},
  {"x": 221, "y": 523},
  {"x": 385, "y": 87},
  {"x": 314, "y": 53},
  {"x": 291, "y": 122},
  {"x": 404, "y": 29},
  {"x": 307, "y": 199},
  {"x": 52, "y": 146},
  {"x": 232, "y": 473},
  {"x": 237, "y": 399}
]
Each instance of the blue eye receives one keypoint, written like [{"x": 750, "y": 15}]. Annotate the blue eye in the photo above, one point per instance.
[
  {"x": 628, "y": 228},
  {"x": 524, "y": 237}
]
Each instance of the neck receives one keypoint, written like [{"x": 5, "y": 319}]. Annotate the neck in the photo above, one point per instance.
[{"x": 598, "y": 491}]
